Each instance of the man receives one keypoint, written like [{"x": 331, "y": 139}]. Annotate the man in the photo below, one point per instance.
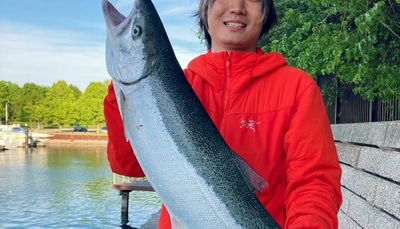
[{"x": 270, "y": 114}]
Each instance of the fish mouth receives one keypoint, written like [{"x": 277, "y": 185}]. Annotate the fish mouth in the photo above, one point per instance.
[
  {"x": 235, "y": 24},
  {"x": 114, "y": 18}
]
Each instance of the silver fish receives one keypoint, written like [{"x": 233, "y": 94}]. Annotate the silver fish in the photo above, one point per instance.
[{"x": 199, "y": 179}]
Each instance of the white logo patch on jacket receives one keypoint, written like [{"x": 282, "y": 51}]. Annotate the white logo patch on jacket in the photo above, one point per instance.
[{"x": 249, "y": 124}]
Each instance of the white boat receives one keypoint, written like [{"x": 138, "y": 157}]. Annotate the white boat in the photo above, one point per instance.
[
  {"x": 2, "y": 145},
  {"x": 15, "y": 136}
]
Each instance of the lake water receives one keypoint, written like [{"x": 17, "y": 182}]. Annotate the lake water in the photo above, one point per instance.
[{"x": 67, "y": 187}]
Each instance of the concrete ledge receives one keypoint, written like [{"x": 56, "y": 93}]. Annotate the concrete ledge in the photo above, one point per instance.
[
  {"x": 346, "y": 222},
  {"x": 388, "y": 198},
  {"x": 359, "y": 182},
  {"x": 342, "y": 132},
  {"x": 377, "y": 161},
  {"x": 378, "y": 192},
  {"x": 346, "y": 194},
  {"x": 348, "y": 154},
  {"x": 368, "y": 216},
  {"x": 373, "y": 133},
  {"x": 370, "y": 175},
  {"x": 383, "y": 163},
  {"x": 393, "y": 135},
  {"x": 370, "y": 133}
]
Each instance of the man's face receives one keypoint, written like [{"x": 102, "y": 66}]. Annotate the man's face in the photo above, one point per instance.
[{"x": 234, "y": 25}]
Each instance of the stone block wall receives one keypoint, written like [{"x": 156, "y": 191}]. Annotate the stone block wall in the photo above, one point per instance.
[{"x": 369, "y": 154}]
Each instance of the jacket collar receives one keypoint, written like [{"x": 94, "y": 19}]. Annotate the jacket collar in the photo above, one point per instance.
[{"x": 240, "y": 67}]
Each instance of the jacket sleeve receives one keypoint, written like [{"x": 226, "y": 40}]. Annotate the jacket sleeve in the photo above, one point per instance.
[
  {"x": 119, "y": 152},
  {"x": 312, "y": 196}
]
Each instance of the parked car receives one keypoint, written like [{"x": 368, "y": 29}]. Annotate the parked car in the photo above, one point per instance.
[
  {"x": 103, "y": 129},
  {"x": 17, "y": 129},
  {"x": 78, "y": 128}
]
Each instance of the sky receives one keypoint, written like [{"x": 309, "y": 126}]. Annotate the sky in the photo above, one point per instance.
[{"x": 43, "y": 41}]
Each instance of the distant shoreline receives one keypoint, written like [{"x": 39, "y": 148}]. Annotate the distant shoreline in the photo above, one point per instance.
[{"x": 87, "y": 138}]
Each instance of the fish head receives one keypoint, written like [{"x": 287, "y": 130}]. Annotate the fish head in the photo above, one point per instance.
[
  {"x": 125, "y": 44},
  {"x": 136, "y": 46}
]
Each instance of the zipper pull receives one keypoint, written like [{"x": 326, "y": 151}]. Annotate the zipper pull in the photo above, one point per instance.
[{"x": 228, "y": 62}]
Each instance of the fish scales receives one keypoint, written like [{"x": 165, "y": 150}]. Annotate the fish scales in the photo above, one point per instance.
[{"x": 178, "y": 147}]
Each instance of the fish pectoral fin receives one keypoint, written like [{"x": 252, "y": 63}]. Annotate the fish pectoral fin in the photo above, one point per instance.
[
  {"x": 123, "y": 112},
  {"x": 253, "y": 178},
  {"x": 121, "y": 101}
]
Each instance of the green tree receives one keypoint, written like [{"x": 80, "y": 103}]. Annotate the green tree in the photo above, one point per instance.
[
  {"x": 8, "y": 94},
  {"x": 38, "y": 113},
  {"x": 75, "y": 89},
  {"x": 59, "y": 106},
  {"x": 91, "y": 104},
  {"x": 356, "y": 41},
  {"x": 29, "y": 97}
]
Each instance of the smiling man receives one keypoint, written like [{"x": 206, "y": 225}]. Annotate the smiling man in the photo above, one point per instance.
[{"x": 270, "y": 114}]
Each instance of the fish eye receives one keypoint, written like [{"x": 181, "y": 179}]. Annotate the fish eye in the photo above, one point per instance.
[{"x": 136, "y": 31}]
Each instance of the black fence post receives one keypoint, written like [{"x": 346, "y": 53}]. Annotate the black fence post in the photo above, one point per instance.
[{"x": 124, "y": 207}]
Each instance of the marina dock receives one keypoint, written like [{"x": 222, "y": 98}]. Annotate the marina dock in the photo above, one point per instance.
[{"x": 12, "y": 138}]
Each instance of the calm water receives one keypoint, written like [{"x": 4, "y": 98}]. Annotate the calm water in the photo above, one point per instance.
[{"x": 67, "y": 187}]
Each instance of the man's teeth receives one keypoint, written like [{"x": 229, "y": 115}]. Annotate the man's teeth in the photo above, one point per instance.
[{"x": 235, "y": 24}]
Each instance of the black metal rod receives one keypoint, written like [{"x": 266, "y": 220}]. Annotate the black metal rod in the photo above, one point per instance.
[
  {"x": 26, "y": 140},
  {"x": 124, "y": 207}
]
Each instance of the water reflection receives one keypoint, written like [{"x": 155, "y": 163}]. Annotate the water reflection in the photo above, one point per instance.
[{"x": 64, "y": 187}]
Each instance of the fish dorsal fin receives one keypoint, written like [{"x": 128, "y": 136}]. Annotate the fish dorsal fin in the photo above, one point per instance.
[{"x": 253, "y": 178}]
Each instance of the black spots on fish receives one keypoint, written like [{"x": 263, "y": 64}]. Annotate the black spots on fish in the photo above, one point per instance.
[
  {"x": 136, "y": 31},
  {"x": 197, "y": 138},
  {"x": 154, "y": 37},
  {"x": 139, "y": 127}
]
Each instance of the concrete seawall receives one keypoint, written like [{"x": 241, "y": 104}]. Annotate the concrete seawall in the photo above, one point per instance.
[
  {"x": 369, "y": 155},
  {"x": 78, "y": 138}
]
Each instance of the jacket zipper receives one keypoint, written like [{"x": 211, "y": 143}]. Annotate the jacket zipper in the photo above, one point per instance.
[{"x": 226, "y": 94}]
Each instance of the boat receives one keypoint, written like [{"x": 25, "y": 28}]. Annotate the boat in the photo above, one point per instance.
[{"x": 14, "y": 136}]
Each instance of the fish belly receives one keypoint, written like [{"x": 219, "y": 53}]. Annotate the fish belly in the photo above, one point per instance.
[{"x": 173, "y": 176}]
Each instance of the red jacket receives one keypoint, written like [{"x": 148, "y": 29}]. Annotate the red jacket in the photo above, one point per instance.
[{"x": 273, "y": 116}]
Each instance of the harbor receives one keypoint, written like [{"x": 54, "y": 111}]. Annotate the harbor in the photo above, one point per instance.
[
  {"x": 14, "y": 136},
  {"x": 65, "y": 186},
  {"x": 61, "y": 178}
]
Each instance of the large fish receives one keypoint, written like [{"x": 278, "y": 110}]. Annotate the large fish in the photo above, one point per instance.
[{"x": 199, "y": 179}]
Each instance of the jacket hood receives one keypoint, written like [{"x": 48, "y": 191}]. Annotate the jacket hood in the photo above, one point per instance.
[{"x": 240, "y": 67}]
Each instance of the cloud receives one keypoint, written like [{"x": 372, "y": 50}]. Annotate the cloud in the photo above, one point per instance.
[
  {"x": 177, "y": 11},
  {"x": 178, "y": 19},
  {"x": 99, "y": 26},
  {"x": 44, "y": 56},
  {"x": 164, "y": 7},
  {"x": 177, "y": 33},
  {"x": 124, "y": 6},
  {"x": 184, "y": 55}
]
